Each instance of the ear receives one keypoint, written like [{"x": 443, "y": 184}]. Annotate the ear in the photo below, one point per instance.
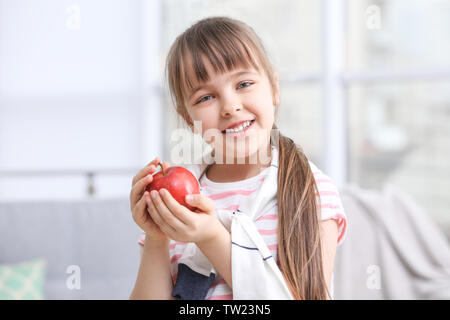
[{"x": 276, "y": 89}]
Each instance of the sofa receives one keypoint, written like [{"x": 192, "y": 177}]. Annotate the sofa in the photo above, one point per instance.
[
  {"x": 392, "y": 249},
  {"x": 95, "y": 238}
]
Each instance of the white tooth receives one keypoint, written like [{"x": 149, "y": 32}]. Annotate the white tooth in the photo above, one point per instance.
[{"x": 240, "y": 128}]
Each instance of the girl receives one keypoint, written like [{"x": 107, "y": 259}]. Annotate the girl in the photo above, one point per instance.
[{"x": 262, "y": 229}]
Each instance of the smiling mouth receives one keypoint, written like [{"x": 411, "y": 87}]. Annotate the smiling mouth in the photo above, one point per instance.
[{"x": 240, "y": 131}]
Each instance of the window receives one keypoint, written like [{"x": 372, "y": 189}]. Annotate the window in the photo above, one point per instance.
[
  {"x": 399, "y": 135},
  {"x": 367, "y": 83},
  {"x": 398, "y": 84},
  {"x": 69, "y": 98}
]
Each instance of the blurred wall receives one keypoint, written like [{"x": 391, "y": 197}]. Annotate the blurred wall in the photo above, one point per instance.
[{"x": 82, "y": 90}]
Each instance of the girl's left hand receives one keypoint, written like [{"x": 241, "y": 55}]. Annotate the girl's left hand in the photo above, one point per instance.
[{"x": 181, "y": 224}]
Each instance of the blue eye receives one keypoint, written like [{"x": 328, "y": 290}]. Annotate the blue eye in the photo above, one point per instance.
[
  {"x": 245, "y": 82},
  {"x": 201, "y": 100},
  {"x": 248, "y": 82}
]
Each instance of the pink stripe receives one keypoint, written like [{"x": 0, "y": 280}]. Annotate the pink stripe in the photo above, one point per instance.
[
  {"x": 175, "y": 257},
  {"x": 177, "y": 243},
  {"x": 328, "y": 193},
  {"x": 324, "y": 181},
  {"x": 232, "y": 207},
  {"x": 220, "y": 282},
  {"x": 268, "y": 232},
  {"x": 231, "y": 193},
  {"x": 342, "y": 224},
  {"x": 344, "y": 229},
  {"x": 330, "y": 206},
  {"x": 336, "y": 216},
  {"x": 268, "y": 217},
  {"x": 273, "y": 247},
  {"x": 203, "y": 185},
  {"x": 222, "y": 297}
]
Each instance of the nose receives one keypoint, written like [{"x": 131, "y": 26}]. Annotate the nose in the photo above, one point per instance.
[
  {"x": 230, "y": 108},
  {"x": 230, "y": 102}
]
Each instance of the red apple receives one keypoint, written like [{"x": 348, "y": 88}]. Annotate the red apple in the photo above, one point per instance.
[{"x": 178, "y": 181}]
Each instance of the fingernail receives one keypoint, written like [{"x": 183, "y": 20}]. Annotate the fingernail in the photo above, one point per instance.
[
  {"x": 189, "y": 198},
  {"x": 154, "y": 194}
]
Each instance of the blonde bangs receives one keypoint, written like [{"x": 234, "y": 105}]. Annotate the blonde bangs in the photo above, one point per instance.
[{"x": 225, "y": 48}]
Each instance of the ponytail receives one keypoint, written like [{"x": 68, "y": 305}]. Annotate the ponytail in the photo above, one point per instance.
[{"x": 299, "y": 246}]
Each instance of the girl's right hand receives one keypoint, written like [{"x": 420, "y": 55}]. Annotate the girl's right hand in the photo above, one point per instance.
[{"x": 138, "y": 200}]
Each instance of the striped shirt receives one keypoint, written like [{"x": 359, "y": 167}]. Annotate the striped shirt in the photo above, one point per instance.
[{"x": 228, "y": 195}]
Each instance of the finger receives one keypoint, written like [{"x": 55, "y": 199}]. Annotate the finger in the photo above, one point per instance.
[
  {"x": 200, "y": 201},
  {"x": 138, "y": 189},
  {"x": 134, "y": 195},
  {"x": 145, "y": 171},
  {"x": 156, "y": 217},
  {"x": 180, "y": 212},
  {"x": 166, "y": 213},
  {"x": 140, "y": 209},
  {"x": 154, "y": 161}
]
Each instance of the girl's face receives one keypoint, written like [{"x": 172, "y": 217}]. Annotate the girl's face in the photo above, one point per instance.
[{"x": 230, "y": 98}]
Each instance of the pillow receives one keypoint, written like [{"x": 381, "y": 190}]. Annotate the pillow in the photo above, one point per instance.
[{"x": 22, "y": 281}]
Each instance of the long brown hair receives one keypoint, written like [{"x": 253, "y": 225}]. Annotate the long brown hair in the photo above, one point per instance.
[{"x": 228, "y": 43}]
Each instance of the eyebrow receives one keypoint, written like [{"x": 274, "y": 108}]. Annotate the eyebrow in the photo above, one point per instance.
[{"x": 234, "y": 75}]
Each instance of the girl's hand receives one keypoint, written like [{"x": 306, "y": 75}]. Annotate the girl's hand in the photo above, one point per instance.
[
  {"x": 180, "y": 223},
  {"x": 138, "y": 200}
]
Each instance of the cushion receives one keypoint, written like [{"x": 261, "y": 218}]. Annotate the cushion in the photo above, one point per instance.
[{"x": 22, "y": 281}]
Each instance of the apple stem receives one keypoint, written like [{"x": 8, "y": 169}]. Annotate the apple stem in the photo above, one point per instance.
[{"x": 162, "y": 169}]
